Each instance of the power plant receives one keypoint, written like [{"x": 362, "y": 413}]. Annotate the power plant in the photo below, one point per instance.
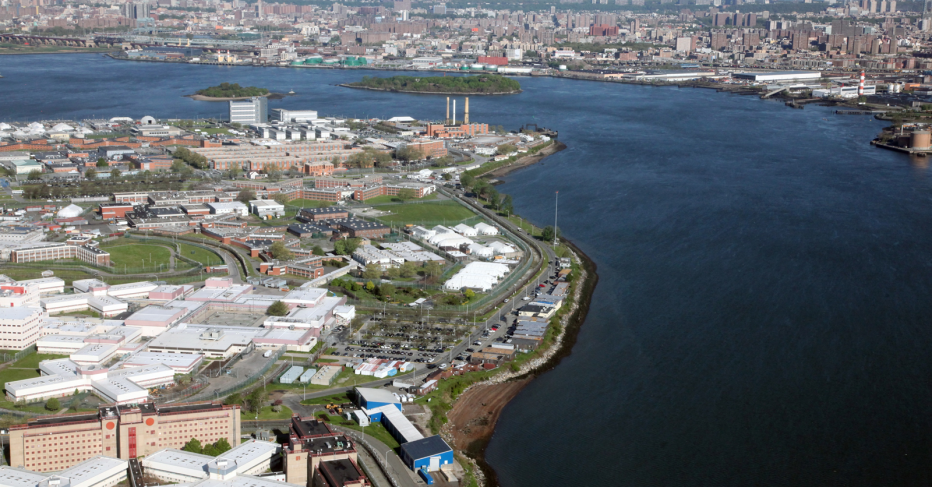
[{"x": 452, "y": 121}]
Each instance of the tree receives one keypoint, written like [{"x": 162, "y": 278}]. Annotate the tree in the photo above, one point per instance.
[
  {"x": 245, "y": 195},
  {"x": 34, "y": 174},
  {"x": 91, "y": 173},
  {"x": 493, "y": 197},
  {"x": 433, "y": 268},
  {"x": 193, "y": 446},
  {"x": 506, "y": 149},
  {"x": 234, "y": 398},
  {"x": 280, "y": 251},
  {"x": 177, "y": 165},
  {"x": 393, "y": 273},
  {"x": 447, "y": 176},
  {"x": 277, "y": 308},
  {"x": 507, "y": 205},
  {"x": 53, "y": 404},
  {"x": 101, "y": 162},
  {"x": 442, "y": 161},
  {"x": 408, "y": 269},
  {"x": 406, "y": 194},
  {"x": 372, "y": 271},
  {"x": 222, "y": 446},
  {"x": 275, "y": 174},
  {"x": 317, "y": 250},
  {"x": 281, "y": 198},
  {"x": 548, "y": 234},
  {"x": 235, "y": 171},
  {"x": 370, "y": 287},
  {"x": 408, "y": 154},
  {"x": 387, "y": 290},
  {"x": 115, "y": 174},
  {"x": 254, "y": 400},
  {"x": 467, "y": 180}
]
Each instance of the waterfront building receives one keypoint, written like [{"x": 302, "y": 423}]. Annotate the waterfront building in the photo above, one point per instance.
[{"x": 249, "y": 112}]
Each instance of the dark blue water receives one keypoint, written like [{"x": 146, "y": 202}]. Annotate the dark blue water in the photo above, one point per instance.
[{"x": 764, "y": 315}]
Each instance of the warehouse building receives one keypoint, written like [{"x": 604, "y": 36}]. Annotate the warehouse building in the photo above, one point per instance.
[
  {"x": 779, "y": 76},
  {"x": 267, "y": 208},
  {"x": 428, "y": 454},
  {"x": 369, "y": 398}
]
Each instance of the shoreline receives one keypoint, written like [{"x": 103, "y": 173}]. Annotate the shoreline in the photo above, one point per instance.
[
  {"x": 474, "y": 414},
  {"x": 270, "y": 96},
  {"x": 498, "y": 391},
  {"x": 526, "y": 161},
  {"x": 349, "y": 85}
]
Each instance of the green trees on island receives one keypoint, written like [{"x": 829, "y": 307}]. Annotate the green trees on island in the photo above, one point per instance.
[
  {"x": 232, "y": 90},
  {"x": 481, "y": 84}
]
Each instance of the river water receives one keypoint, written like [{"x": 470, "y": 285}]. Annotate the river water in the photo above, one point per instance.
[{"x": 764, "y": 313}]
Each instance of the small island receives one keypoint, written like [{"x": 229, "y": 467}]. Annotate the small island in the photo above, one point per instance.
[
  {"x": 485, "y": 84},
  {"x": 229, "y": 91}
]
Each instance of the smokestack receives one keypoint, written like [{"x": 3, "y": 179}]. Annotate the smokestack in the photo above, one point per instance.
[
  {"x": 454, "y": 110},
  {"x": 861, "y": 85},
  {"x": 448, "y": 109},
  {"x": 466, "y": 116}
]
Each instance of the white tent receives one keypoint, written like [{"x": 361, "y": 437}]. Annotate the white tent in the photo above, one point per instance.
[{"x": 70, "y": 211}]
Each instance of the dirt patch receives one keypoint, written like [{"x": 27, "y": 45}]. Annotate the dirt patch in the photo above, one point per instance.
[{"x": 475, "y": 413}]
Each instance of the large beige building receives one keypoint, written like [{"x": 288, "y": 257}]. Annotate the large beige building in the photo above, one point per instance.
[{"x": 54, "y": 443}]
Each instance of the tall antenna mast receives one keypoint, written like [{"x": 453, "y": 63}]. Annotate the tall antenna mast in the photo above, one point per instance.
[{"x": 556, "y": 206}]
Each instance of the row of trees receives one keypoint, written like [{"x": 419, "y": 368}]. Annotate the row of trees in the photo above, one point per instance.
[
  {"x": 406, "y": 270},
  {"x": 482, "y": 188},
  {"x": 190, "y": 158}
]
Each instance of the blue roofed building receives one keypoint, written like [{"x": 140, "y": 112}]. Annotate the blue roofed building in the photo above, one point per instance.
[{"x": 429, "y": 454}]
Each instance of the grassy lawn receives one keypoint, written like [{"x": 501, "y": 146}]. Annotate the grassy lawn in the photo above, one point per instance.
[
  {"x": 267, "y": 413},
  {"x": 335, "y": 399},
  {"x": 203, "y": 256},
  {"x": 138, "y": 255},
  {"x": 25, "y": 369},
  {"x": 376, "y": 430},
  {"x": 378, "y": 200},
  {"x": 426, "y": 212},
  {"x": 32, "y": 360}
]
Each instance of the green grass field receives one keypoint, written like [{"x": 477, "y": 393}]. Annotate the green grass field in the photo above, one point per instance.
[
  {"x": 25, "y": 369},
  {"x": 376, "y": 430},
  {"x": 267, "y": 413},
  {"x": 425, "y": 212},
  {"x": 138, "y": 255},
  {"x": 335, "y": 399},
  {"x": 378, "y": 200},
  {"x": 203, "y": 256}
]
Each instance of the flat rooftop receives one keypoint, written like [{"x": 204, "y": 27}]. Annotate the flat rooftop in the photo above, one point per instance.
[{"x": 309, "y": 427}]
